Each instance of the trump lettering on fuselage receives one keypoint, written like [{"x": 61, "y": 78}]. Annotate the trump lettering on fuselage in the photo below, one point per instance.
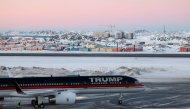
[{"x": 105, "y": 79}]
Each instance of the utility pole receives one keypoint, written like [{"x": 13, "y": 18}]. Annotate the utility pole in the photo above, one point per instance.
[{"x": 117, "y": 46}]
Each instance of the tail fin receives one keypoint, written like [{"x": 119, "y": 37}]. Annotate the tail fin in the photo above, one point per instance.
[
  {"x": 18, "y": 89},
  {"x": 9, "y": 73}
]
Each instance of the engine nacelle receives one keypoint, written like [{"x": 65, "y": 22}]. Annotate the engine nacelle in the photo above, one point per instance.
[{"x": 63, "y": 98}]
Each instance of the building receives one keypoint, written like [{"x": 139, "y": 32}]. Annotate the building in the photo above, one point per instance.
[
  {"x": 90, "y": 45},
  {"x": 101, "y": 34},
  {"x": 185, "y": 49},
  {"x": 129, "y": 35},
  {"x": 119, "y": 34},
  {"x": 133, "y": 49}
]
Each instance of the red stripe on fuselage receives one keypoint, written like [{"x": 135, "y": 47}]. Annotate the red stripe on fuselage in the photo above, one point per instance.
[{"x": 74, "y": 86}]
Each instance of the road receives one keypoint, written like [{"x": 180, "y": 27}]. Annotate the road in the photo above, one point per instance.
[
  {"x": 158, "y": 95},
  {"x": 99, "y": 54}
]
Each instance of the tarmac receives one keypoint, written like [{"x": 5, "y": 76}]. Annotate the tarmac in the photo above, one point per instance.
[{"x": 173, "y": 95}]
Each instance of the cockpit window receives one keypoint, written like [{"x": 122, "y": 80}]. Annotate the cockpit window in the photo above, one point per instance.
[{"x": 137, "y": 82}]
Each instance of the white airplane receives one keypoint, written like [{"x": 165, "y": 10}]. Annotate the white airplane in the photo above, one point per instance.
[{"x": 63, "y": 90}]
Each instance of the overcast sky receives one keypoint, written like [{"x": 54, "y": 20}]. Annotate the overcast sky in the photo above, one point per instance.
[{"x": 127, "y": 15}]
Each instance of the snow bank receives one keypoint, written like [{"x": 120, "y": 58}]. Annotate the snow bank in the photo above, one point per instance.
[
  {"x": 144, "y": 69},
  {"x": 144, "y": 74}
]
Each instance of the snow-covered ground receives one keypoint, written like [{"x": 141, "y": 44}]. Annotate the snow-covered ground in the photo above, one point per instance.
[{"x": 144, "y": 69}]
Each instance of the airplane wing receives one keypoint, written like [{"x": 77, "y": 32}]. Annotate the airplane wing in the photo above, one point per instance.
[{"x": 35, "y": 93}]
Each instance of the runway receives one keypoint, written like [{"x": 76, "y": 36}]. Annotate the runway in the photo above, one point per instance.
[{"x": 158, "y": 95}]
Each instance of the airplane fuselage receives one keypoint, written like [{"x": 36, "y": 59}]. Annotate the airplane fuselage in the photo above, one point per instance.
[{"x": 76, "y": 84}]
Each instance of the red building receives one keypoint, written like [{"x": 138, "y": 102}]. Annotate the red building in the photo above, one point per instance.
[{"x": 184, "y": 49}]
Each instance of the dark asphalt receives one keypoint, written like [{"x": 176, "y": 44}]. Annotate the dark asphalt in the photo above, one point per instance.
[
  {"x": 118, "y": 54},
  {"x": 157, "y": 95}
]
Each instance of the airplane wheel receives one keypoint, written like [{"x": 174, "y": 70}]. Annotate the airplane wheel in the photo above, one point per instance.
[
  {"x": 35, "y": 106},
  {"x": 120, "y": 102},
  {"x": 41, "y": 105},
  {"x": 33, "y": 102}
]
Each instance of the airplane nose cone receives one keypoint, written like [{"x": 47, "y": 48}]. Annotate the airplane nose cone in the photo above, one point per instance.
[{"x": 143, "y": 87}]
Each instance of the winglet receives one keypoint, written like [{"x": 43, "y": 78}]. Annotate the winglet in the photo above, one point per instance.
[
  {"x": 18, "y": 89},
  {"x": 9, "y": 72}
]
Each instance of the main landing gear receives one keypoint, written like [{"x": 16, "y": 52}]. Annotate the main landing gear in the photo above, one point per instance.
[
  {"x": 39, "y": 105},
  {"x": 120, "y": 98},
  {"x": 38, "y": 102},
  {"x": 33, "y": 102}
]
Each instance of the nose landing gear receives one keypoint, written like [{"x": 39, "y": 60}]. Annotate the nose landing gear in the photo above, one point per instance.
[
  {"x": 33, "y": 102},
  {"x": 120, "y": 98}
]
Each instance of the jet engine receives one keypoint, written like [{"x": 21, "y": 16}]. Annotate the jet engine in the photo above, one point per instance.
[{"x": 63, "y": 98}]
